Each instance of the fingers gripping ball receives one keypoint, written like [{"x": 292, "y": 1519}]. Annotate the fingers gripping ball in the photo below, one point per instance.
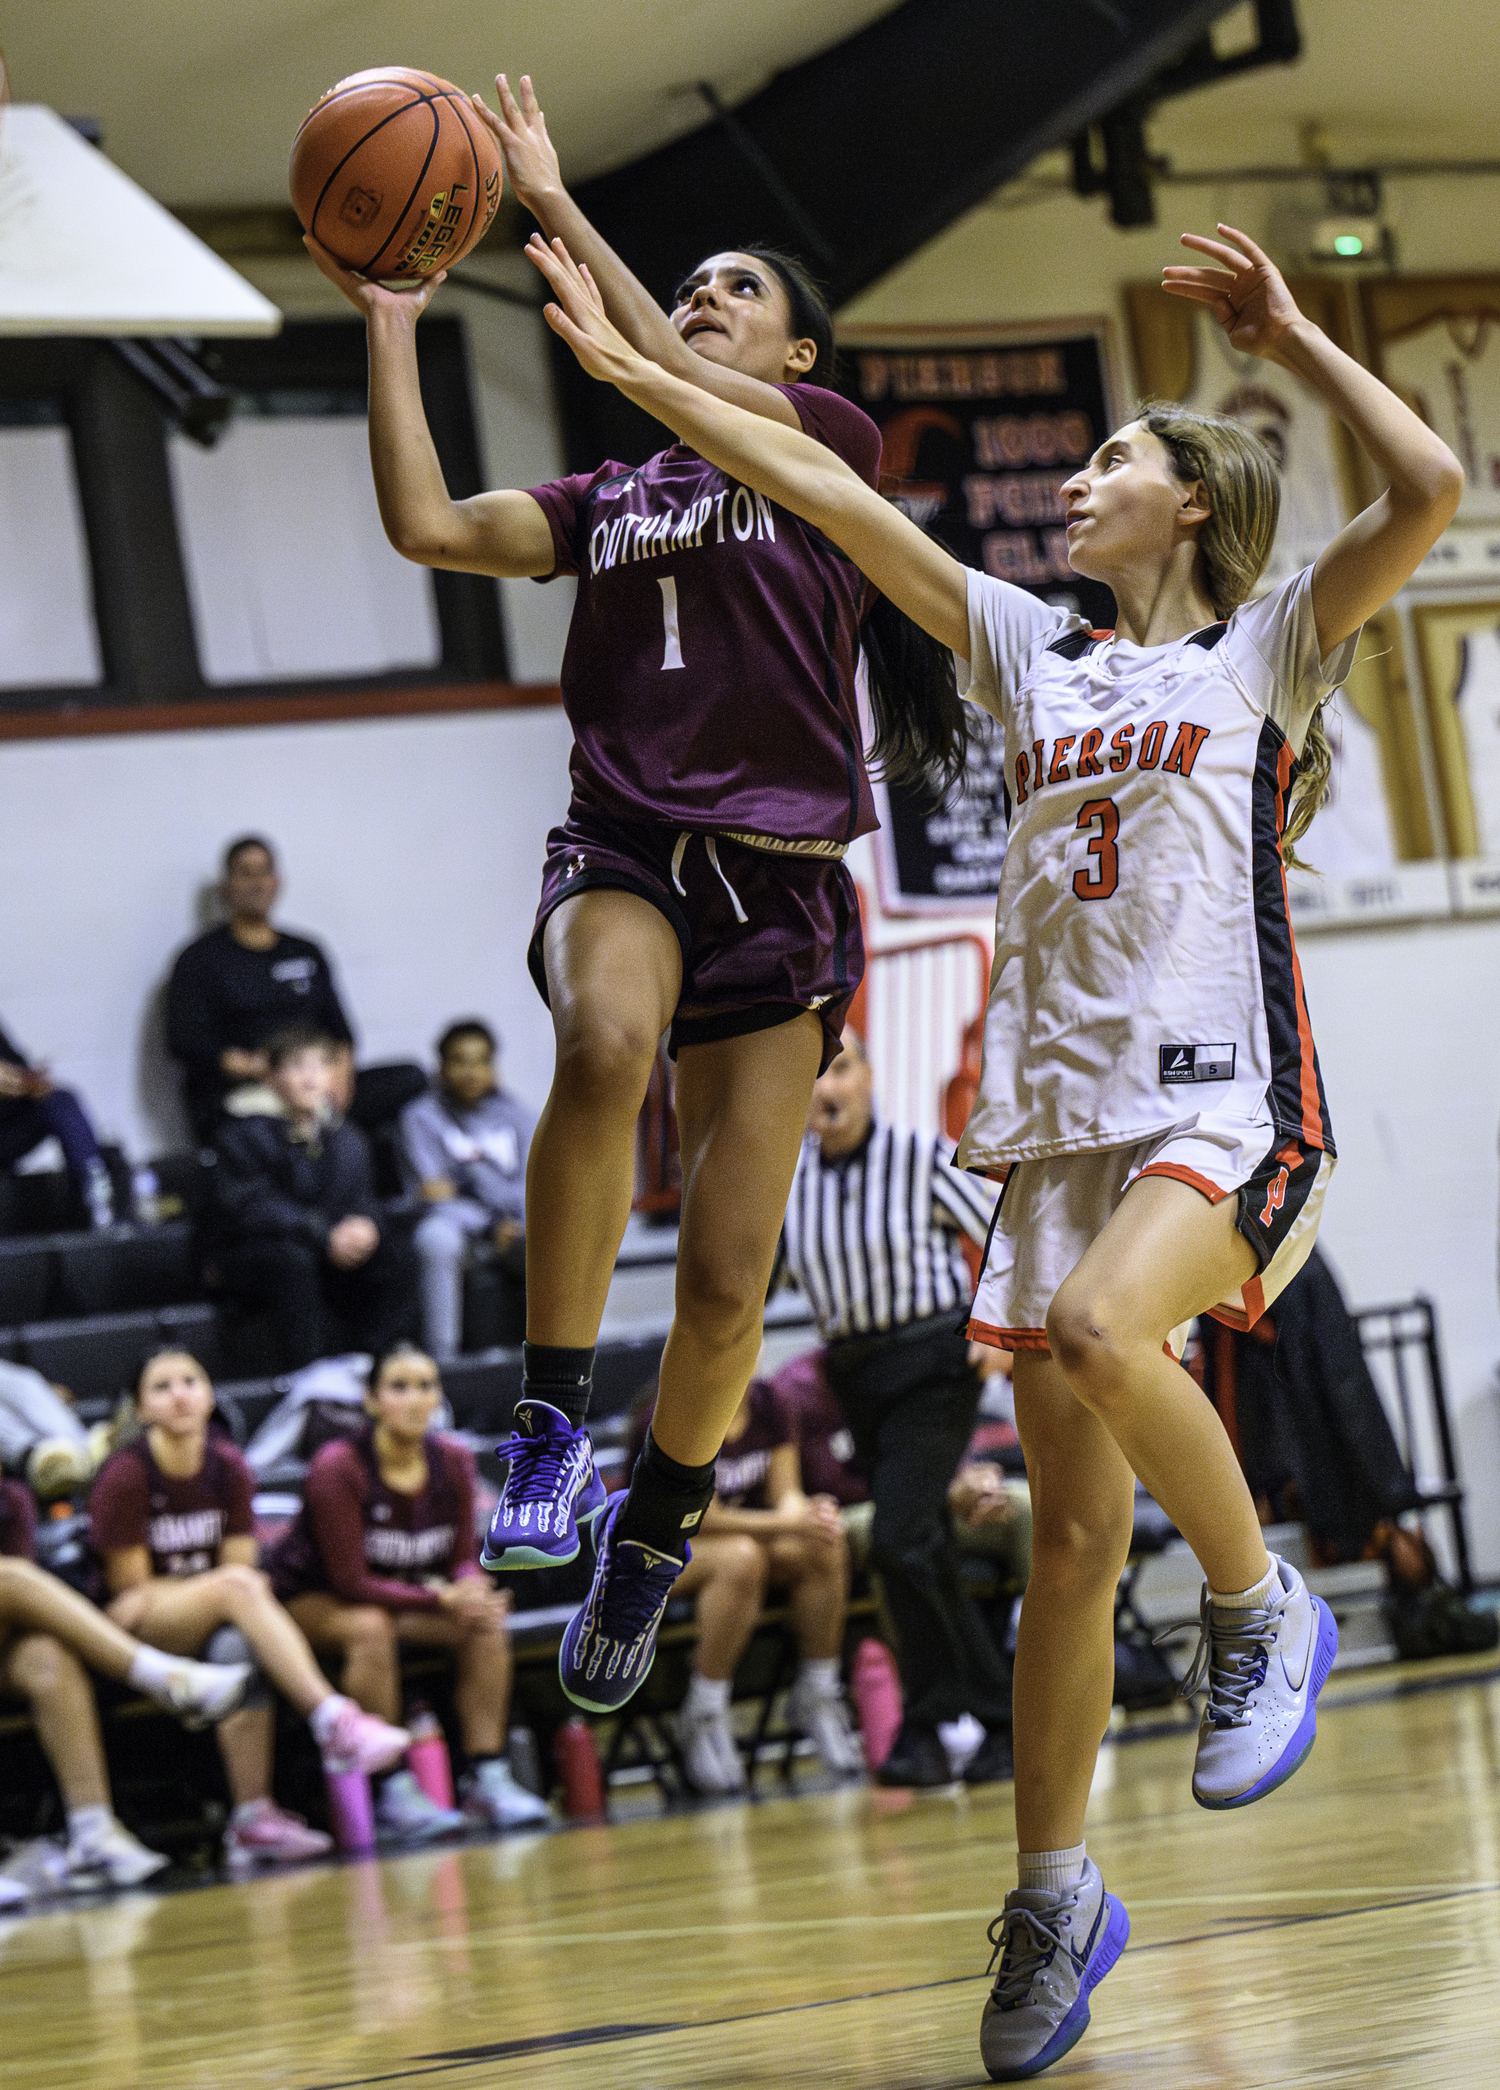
[{"x": 395, "y": 174}]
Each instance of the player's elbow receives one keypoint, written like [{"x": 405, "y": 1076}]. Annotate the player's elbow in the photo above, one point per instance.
[{"x": 1448, "y": 483}]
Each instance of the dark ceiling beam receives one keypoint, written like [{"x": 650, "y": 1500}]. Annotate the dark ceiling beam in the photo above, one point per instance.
[
  {"x": 884, "y": 140},
  {"x": 863, "y": 154}
]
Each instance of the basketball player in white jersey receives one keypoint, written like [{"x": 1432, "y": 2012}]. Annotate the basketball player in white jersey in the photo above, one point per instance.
[{"x": 1150, "y": 1090}]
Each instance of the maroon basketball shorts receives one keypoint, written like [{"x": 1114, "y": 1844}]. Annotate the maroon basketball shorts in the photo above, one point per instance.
[{"x": 764, "y": 935}]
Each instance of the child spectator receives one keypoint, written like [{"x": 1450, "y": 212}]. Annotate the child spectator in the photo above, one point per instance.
[
  {"x": 290, "y": 1221},
  {"x": 232, "y": 989},
  {"x": 45, "y": 1628},
  {"x": 31, "y": 1110},
  {"x": 762, "y": 1531},
  {"x": 463, "y": 1150},
  {"x": 171, "y": 1520},
  {"x": 383, "y": 1554}
]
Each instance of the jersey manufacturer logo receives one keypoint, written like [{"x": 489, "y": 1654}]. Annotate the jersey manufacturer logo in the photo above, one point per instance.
[{"x": 1196, "y": 1063}]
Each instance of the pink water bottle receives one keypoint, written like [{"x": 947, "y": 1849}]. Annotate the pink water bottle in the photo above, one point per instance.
[
  {"x": 427, "y": 1758},
  {"x": 578, "y": 1771},
  {"x": 351, "y": 1811},
  {"x": 875, "y": 1687}
]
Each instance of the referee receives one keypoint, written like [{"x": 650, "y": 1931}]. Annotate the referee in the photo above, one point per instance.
[{"x": 871, "y": 1240}]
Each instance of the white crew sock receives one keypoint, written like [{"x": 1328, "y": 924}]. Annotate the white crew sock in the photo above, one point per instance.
[
  {"x": 819, "y": 1675},
  {"x": 706, "y": 1694},
  {"x": 1053, "y": 1871},
  {"x": 322, "y": 1717},
  {"x": 86, "y": 1823},
  {"x": 1263, "y": 1592},
  {"x": 151, "y": 1671}
]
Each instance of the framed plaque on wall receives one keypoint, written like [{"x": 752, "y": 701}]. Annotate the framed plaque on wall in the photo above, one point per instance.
[{"x": 981, "y": 427}]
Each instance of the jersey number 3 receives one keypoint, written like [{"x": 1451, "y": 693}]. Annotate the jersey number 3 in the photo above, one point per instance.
[{"x": 1103, "y": 874}]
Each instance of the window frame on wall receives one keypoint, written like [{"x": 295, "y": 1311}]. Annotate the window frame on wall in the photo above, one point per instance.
[{"x": 119, "y": 433}]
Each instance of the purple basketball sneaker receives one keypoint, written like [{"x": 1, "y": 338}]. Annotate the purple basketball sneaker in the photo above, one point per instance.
[
  {"x": 550, "y": 1489},
  {"x": 610, "y": 1643}
]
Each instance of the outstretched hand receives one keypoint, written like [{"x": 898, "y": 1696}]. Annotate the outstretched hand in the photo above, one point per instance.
[
  {"x": 1251, "y": 301},
  {"x": 579, "y": 315},
  {"x": 372, "y": 297},
  {"x": 521, "y": 130}
]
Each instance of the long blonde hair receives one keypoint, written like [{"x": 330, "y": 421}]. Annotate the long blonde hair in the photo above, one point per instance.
[{"x": 1244, "y": 497}]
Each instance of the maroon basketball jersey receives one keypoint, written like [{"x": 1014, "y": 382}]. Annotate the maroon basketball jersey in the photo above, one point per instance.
[
  {"x": 709, "y": 671},
  {"x": 182, "y": 1522}
]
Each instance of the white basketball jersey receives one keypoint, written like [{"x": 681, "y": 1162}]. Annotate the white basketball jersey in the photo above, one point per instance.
[
  {"x": 1478, "y": 701},
  {"x": 1145, "y": 974}
]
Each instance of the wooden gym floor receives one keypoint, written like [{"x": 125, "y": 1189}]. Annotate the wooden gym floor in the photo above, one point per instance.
[{"x": 1345, "y": 1931}]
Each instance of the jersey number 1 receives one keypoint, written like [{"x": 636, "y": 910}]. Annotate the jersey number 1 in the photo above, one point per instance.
[
  {"x": 671, "y": 656},
  {"x": 1103, "y": 875}
]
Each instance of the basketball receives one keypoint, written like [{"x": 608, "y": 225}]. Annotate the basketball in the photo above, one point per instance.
[{"x": 395, "y": 174}]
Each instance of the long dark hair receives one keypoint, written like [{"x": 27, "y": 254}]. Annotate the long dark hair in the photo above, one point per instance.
[{"x": 921, "y": 728}]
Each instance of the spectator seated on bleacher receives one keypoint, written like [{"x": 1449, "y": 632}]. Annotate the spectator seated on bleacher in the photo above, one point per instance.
[
  {"x": 463, "y": 1151},
  {"x": 31, "y": 1110},
  {"x": 172, "y": 1521},
  {"x": 233, "y": 987},
  {"x": 290, "y": 1220},
  {"x": 760, "y": 1532},
  {"x": 383, "y": 1555},
  {"x": 47, "y": 1633}
]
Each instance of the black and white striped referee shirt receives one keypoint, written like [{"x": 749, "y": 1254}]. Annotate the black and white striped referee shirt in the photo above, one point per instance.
[{"x": 871, "y": 1239}]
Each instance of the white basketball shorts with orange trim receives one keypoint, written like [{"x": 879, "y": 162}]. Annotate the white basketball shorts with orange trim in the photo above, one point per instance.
[{"x": 1050, "y": 1212}]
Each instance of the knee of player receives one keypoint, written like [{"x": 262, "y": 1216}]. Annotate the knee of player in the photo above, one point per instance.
[
  {"x": 40, "y": 1666},
  {"x": 741, "y": 1564},
  {"x": 601, "y": 1054},
  {"x": 1084, "y": 1345},
  {"x": 14, "y": 1576},
  {"x": 369, "y": 1628},
  {"x": 244, "y": 1588}
]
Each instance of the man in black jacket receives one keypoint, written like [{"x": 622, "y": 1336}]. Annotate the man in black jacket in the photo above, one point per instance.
[
  {"x": 291, "y": 1219},
  {"x": 233, "y": 987}
]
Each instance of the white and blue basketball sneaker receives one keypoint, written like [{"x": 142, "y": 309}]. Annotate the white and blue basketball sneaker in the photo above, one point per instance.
[
  {"x": 1263, "y": 1669},
  {"x": 610, "y": 1643},
  {"x": 550, "y": 1489},
  {"x": 1053, "y": 1950}
]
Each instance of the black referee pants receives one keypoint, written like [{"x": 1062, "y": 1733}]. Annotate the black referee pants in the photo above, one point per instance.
[{"x": 910, "y": 1399}]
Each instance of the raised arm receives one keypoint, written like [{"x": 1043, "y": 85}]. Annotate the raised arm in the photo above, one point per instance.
[
  {"x": 502, "y": 533},
  {"x": 535, "y": 176},
  {"x": 781, "y": 462},
  {"x": 1372, "y": 556}
]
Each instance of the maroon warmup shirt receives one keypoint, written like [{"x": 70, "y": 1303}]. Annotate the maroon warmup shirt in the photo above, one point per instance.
[
  {"x": 17, "y": 1520},
  {"x": 825, "y": 1442},
  {"x": 709, "y": 672},
  {"x": 366, "y": 1544},
  {"x": 182, "y": 1522}
]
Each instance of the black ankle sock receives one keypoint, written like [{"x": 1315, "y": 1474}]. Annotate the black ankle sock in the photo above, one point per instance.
[
  {"x": 666, "y": 1501},
  {"x": 562, "y": 1378}
]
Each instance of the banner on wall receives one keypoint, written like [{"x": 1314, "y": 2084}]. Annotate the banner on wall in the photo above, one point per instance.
[{"x": 981, "y": 428}]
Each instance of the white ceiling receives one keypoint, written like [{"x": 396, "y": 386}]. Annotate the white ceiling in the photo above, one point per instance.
[{"x": 200, "y": 99}]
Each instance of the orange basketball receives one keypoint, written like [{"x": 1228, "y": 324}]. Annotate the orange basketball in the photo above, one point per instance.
[{"x": 395, "y": 174}]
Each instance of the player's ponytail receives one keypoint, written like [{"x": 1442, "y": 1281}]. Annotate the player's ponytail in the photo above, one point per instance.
[
  {"x": 1244, "y": 498},
  {"x": 921, "y": 726}
]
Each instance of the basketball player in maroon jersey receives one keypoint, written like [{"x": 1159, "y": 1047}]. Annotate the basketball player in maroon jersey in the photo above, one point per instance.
[{"x": 697, "y": 884}]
